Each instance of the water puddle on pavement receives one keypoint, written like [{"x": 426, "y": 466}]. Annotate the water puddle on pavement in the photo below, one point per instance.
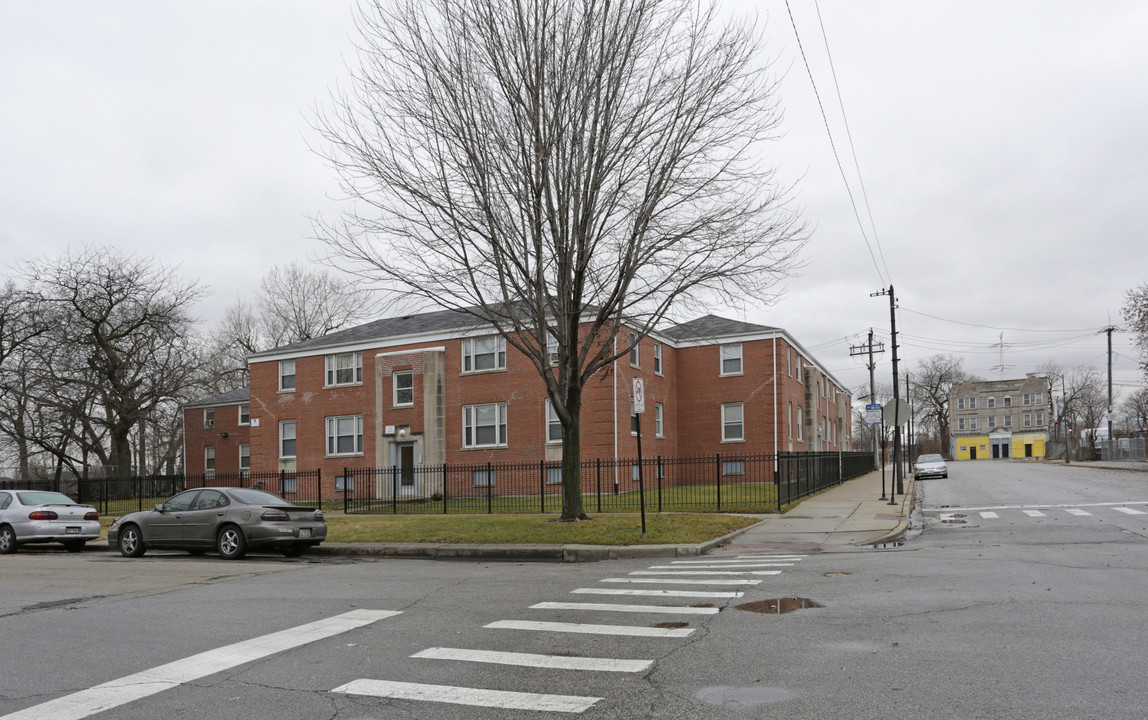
[{"x": 778, "y": 606}]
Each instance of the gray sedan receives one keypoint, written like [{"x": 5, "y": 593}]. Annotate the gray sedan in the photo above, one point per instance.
[
  {"x": 229, "y": 520},
  {"x": 38, "y": 516},
  {"x": 930, "y": 466}
]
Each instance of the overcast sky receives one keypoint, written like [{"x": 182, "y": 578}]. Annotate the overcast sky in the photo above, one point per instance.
[{"x": 1002, "y": 148}]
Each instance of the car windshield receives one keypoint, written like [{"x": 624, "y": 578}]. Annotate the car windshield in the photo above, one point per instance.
[
  {"x": 44, "y": 498},
  {"x": 256, "y": 497},
  {"x": 930, "y": 459}
]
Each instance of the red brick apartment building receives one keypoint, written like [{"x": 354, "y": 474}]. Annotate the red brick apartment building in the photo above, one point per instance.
[{"x": 439, "y": 388}]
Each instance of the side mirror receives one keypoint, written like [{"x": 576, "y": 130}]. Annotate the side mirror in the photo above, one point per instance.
[{"x": 159, "y": 507}]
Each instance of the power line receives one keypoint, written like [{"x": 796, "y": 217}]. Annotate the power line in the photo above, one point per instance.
[
  {"x": 833, "y": 146},
  {"x": 993, "y": 327}
]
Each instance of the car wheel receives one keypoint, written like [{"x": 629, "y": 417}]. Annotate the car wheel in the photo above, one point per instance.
[
  {"x": 7, "y": 540},
  {"x": 231, "y": 543},
  {"x": 75, "y": 545},
  {"x": 131, "y": 542}
]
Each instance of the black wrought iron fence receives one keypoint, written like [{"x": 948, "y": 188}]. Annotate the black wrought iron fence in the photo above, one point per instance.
[
  {"x": 717, "y": 483},
  {"x": 114, "y": 496}
]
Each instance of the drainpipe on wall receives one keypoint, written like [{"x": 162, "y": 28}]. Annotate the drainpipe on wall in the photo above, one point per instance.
[{"x": 775, "y": 394}]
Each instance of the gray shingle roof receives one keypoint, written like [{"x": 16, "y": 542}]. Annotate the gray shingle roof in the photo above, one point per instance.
[
  {"x": 439, "y": 321},
  {"x": 710, "y": 327},
  {"x": 230, "y": 397}
]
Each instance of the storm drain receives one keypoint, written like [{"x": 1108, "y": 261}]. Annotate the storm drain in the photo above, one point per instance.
[{"x": 777, "y": 606}]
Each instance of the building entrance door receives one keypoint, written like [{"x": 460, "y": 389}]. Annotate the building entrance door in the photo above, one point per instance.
[
  {"x": 972, "y": 452},
  {"x": 404, "y": 457}
]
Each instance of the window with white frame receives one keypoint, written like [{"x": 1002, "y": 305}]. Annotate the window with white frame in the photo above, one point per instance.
[
  {"x": 345, "y": 483},
  {"x": 244, "y": 414},
  {"x": 789, "y": 421},
  {"x": 800, "y": 424},
  {"x": 1040, "y": 418},
  {"x": 1026, "y": 399},
  {"x": 635, "y": 356},
  {"x": 554, "y": 475},
  {"x": 484, "y": 353},
  {"x": 344, "y": 369},
  {"x": 635, "y": 421},
  {"x": 209, "y": 460},
  {"x": 1008, "y": 420},
  {"x": 287, "y": 439},
  {"x": 800, "y": 362},
  {"x": 209, "y": 417},
  {"x": 553, "y": 424},
  {"x": 286, "y": 375},
  {"x": 244, "y": 459},
  {"x": 658, "y": 432},
  {"x": 960, "y": 423},
  {"x": 1008, "y": 401},
  {"x": 789, "y": 362},
  {"x": 732, "y": 422},
  {"x": 483, "y": 478},
  {"x": 345, "y": 435},
  {"x": 733, "y": 467},
  {"x": 972, "y": 423},
  {"x": 991, "y": 402},
  {"x": 1038, "y": 399},
  {"x": 731, "y": 359},
  {"x": 972, "y": 403},
  {"x": 657, "y": 358},
  {"x": 960, "y": 403},
  {"x": 552, "y": 348},
  {"x": 403, "y": 384},
  {"x": 484, "y": 425},
  {"x": 992, "y": 421},
  {"x": 1026, "y": 420}
]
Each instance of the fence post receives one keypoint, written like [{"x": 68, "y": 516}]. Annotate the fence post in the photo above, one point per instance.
[
  {"x": 346, "y": 498},
  {"x": 777, "y": 477},
  {"x": 444, "y": 488},
  {"x": 598, "y": 464},
  {"x": 719, "y": 469},
  {"x": 542, "y": 484},
  {"x": 394, "y": 489},
  {"x": 489, "y": 489},
  {"x": 659, "y": 474}
]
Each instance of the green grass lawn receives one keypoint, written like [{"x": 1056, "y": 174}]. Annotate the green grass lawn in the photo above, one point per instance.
[{"x": 606, "y": 529}]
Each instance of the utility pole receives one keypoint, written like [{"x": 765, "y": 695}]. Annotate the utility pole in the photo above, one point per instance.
[
  {"x": 900, "y": 479},
  {"x": 869, "y": 348},
  {"x": 1109, "y": 330}
]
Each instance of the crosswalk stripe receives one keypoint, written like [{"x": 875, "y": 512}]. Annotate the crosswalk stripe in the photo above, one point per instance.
[
  {"x": 684, "y": 581},
  {"x": 720, "y": 567},
  {"x": 661, "y": 593},
  {"x": 772, "y": 557},
  {"x": 588, "y": 629},
  {"x": 1076, "y": 511},
  {"x": 468, "y": 696},
  {"x": 610, "y": 607},
  {"x": 149, "y": 682},
  {"x": 1034, "y": 513},
  {"x": 552, "y": 662},
  {"x": 706, "y": 572},
  {"x": 1128, "y": 511},
  {"x": 989, "y": 515}
]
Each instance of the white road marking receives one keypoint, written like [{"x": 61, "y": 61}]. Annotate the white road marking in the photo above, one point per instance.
[
  {"x": 1034, "y": 513},
  {"x": 683, "y": 581},
  {"x": 739, "y": 559},
  {"x": 989, "y": 515},
  {"x": 1128, "y": 511},
  {"x": 1076, "y": 511},
  {"x": 554, "y": 662},
  {"x": 706, "y": 572},
  {"x": 661, "y": 593},
  {"x": 717, "y": 567},
  {"x": 468, "y": 696},
  {"x": 1034, "y": 506},
  {"x": 611, "y": 607},
  {"x": 587, "y": 629},
  {"x": 105, "y": 696},
  {"x": 771, "y": 557}
]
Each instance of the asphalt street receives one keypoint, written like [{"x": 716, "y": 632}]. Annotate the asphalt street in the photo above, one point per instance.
[{"x": 1008, "y": 614}]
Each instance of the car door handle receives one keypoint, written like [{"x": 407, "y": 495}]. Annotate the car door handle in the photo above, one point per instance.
[{"x": 219, "y": 514}]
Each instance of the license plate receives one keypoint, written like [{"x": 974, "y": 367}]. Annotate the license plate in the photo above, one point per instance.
[
  {"x": 72, "y": 531},
  {"x": 305, "y": 532}
]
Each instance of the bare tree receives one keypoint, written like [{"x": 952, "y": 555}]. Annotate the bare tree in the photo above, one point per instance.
[
  {"x": 1135, "y": 313},
  {"x": 1086, "y": 404},
  {"x": 559, "y": 170},
  {"x": 1135, "y": 412},
  {"x": 120, "y": 334},
  {"x": 932, "y": 381},
  {"x": 294, "y": 303}
]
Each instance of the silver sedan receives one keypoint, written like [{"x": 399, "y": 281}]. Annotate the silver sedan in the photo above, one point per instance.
[
  {"x": 228, "y": 520},
  {"x": 38, "y": 516}
]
